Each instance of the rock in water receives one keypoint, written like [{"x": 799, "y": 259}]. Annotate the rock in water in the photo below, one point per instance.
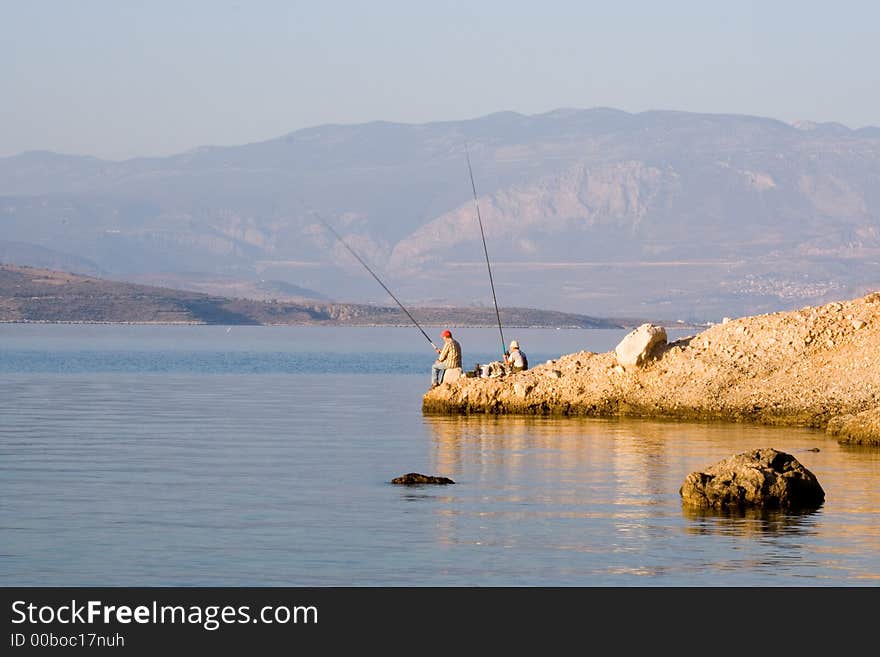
[
  {"x": 856, "y": 429},
  {"x": 762, "y": 478},
  {"x": 412, "y": 478}
]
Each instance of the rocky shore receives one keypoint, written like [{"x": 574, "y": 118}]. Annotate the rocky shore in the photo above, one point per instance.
[{"x": 815, "y": 367}]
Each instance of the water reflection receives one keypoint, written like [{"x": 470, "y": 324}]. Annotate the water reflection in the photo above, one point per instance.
[
  {"x": 224, "y": 478},
  {"x": 603, "y": 494},
  {"x": 638, "y": 461},
  {"x": 750, "y": 522},
  {"x": 577, "y": 460}
]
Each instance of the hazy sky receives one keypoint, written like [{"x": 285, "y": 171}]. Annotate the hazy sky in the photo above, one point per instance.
[{"x": 120, "y": 78}]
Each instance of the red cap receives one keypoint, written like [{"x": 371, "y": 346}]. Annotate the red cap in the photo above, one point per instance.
[{"x": 446, "y": 334}]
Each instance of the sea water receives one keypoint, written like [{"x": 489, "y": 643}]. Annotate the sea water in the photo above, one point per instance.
[{"x": 262, "y": 456}]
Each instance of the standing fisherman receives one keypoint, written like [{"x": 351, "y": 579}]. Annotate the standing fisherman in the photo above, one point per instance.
[{"x": 448, "y": 358}]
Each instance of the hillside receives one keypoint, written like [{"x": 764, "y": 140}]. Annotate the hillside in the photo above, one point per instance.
[
  {"x": 816, "y": 367},
  {"x": 594, "y": 211},
  {"x": 37, "y": 295}
]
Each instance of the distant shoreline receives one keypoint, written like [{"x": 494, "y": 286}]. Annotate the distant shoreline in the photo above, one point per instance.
[
  {"x": 340, "y": 325},
  {"x": 33, "y": 295}
]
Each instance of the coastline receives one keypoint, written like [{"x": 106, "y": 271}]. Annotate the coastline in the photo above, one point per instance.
[
  {"x": 432, "y": 325},
  {"x": 36, "y": 295},
  {"x": 813, "y": 367}
]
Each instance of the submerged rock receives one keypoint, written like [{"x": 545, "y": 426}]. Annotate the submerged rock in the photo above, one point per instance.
[
  {"x": 760, "y": 478},
  {"x": 413, "y": 478}
]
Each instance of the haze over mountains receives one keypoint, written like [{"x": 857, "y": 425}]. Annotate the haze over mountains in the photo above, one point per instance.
[{"x": 599, "y": 212}]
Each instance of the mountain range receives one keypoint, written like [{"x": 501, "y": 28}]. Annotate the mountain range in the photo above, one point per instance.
[{"x": 591, "y": 211}]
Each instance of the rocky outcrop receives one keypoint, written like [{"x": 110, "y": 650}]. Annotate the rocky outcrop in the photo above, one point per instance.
[
  {"x": 856, "y": 429},
  {"x": 760, "y": 478},
  {"x": 414, "y": 478},
  {"x": 802, "y": 367}
]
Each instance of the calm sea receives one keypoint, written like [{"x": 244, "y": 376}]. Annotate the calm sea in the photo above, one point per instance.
[{"x": 194, "y": 455}]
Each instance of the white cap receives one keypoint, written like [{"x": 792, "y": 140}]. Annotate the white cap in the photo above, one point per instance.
[{"x": 514, "y": 344}]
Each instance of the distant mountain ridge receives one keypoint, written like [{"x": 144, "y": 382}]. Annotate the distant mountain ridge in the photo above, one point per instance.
[{"x": 595, "y": 211}]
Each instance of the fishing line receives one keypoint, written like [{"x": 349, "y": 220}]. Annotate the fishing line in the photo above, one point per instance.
[
  {"x": 358, "y": 258},
  {"x": 485, "y": 250}
]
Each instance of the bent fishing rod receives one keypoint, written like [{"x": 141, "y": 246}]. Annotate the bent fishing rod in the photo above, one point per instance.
[
  {"x": 358, "y": 258},
  {"x": 486, "y": 252}
]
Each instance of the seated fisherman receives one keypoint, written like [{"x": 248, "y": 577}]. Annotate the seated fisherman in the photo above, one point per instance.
[
  {"x": 516, "y": 359},
  {"x": 449, "y": 357}
]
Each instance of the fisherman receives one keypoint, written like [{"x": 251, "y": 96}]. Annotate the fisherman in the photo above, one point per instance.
[
  {"x": 515, "y": 359},
  {"x": 449, "y": 357}
]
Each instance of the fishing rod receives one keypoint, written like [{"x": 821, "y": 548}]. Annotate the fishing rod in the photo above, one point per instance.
[
  {"x": 485, "y": 250},
  {"x": 352, "y": 252}
]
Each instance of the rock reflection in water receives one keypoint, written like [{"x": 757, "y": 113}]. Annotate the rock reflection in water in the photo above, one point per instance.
[{"x": 750, "y": 522}]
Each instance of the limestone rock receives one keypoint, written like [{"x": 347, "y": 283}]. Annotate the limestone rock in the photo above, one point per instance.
[
  {"x": 639, "y": 344},
  {"x": 522, "y": 390},
  {"x": 452, "y": 374},
  {"x": 856, "y": 428},
  {"x": 413, "y": 478},
  {"x": 760, "y": 478}
]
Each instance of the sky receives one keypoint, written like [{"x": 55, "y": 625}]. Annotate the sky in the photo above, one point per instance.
[{"x": 122, "y": 78}]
